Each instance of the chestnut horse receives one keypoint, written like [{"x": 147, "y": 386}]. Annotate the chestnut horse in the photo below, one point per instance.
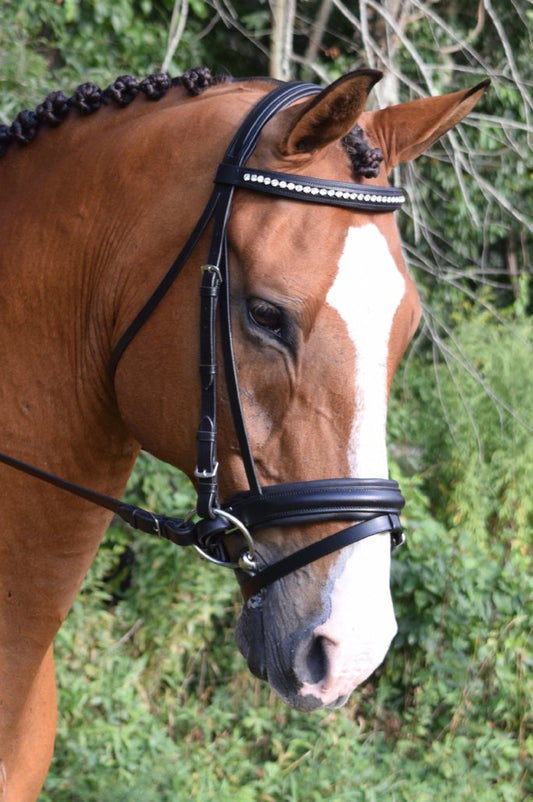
[{"x": 92, "y": 215}]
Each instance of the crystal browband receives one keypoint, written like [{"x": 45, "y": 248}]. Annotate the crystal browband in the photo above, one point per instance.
[{"x": 363, "y": 197}]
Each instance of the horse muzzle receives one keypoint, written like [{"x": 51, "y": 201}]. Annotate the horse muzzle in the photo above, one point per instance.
[{"x": 316, "y": 634}]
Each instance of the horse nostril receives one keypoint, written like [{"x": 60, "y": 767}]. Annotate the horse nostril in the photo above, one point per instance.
[{"x": 312, "y": 662}]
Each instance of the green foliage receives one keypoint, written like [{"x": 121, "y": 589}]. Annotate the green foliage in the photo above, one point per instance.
[{"x": 465, "y": 585}]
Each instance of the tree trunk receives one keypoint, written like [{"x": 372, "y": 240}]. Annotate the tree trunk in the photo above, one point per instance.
[{"x": 283, "y": 12}]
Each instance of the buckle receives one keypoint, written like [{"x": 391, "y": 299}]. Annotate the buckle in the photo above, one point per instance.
[
  {"x": 212, "y": 269},
  {"x": 246, "y": 561},
  {"x": 206, "y": 474}
]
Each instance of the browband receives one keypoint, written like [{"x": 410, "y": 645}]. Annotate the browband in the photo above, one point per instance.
[{"x": 361, "y": 197}]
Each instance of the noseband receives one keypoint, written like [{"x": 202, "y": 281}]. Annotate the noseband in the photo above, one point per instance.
[{"x": 373, "y": 505}]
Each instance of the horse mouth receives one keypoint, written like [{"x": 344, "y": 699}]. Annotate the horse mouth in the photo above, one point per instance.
[
  {"x": 289, "y": 664},
  {"x": 304, "y": 659}
]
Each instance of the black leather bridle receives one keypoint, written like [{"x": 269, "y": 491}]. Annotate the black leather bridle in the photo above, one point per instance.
[{"x": 373, "y": 505}]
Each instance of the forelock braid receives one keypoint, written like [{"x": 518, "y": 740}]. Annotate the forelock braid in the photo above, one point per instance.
[{"x": 365, "y": 160}]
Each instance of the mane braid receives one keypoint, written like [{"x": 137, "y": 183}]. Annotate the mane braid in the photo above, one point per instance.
[{"x": 89, "y": 97}]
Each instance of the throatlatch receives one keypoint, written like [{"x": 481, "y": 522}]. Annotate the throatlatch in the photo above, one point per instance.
[{"x": 373, "y": 505}]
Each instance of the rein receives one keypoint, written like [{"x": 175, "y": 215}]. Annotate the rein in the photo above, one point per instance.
[{"x": 373, "y": 505}]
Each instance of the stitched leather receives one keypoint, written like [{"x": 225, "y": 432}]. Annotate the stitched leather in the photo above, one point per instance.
[{"x": 327, "y": 499}]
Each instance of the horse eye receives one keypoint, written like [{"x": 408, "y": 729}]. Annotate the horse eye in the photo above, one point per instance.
[{"x": 266, "y": 316}]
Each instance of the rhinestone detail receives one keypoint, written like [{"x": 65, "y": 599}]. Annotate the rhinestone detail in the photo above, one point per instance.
[{"x": 311, "y": 189}]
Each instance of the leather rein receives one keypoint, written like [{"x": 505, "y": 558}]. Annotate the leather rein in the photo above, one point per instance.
[{"x": 372, "y": 505}]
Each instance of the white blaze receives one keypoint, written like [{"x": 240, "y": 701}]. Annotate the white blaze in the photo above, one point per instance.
[{"x": 366, "y": 293}]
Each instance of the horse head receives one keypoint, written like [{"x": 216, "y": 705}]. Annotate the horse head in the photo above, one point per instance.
[{"x": 322, "y": 310}]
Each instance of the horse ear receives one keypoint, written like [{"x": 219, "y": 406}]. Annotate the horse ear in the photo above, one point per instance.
[
  {"x": 331, "y": 114},
  {"x": 405, "y": 131}
]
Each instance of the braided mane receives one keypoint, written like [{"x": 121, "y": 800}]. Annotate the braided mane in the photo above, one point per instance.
[{"x": 89, "y": 97}]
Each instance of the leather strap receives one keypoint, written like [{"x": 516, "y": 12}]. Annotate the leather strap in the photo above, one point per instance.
[
  {"x": 179, "y": 531},
  {"x": 165, "y": 284},
  {"x": 359, "y": 197},
  {"x": 320, "y": 500},
  {"x": 216, "y": 278},
  {"x": 250, "y": 586}
]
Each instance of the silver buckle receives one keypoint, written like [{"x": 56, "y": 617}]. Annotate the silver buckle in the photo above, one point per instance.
[
  {"x": 212, "y": 269},
  {"x": 246, "y": 561},
  {"x": 205, "y": 474}
]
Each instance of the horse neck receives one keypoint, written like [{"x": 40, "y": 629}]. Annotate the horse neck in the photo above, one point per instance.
[{"x": 95, "y": 213}]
